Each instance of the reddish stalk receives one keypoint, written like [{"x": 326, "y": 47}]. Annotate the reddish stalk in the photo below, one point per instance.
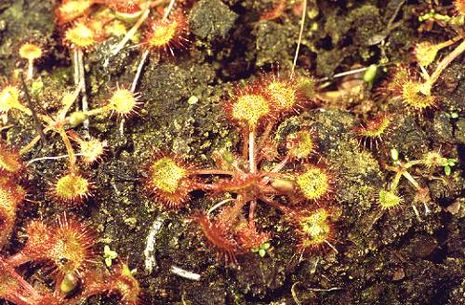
[
  {"x": 274, "y": 204},
  {"x": 213, "y": 171}
]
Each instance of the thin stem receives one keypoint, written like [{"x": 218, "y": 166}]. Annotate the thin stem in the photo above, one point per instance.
[
  {"x": 6, "y": 127},
  {"x": 294, "y": 293},
  {"x": 213, "y": 172},
  {"x": 277, "y": 175},
  {"x": 219, "y": 204},
  {"x": 427, "y": 210},
  {"x": 157, "y": 3},
  {"x": 252, "y": 163},
  {"x": 121, "y": 127},
  {"x": 76, "y": 67},
  {"x": 139, "y": 70},
  {"x": 31, "y": 111},
  {"x": 395, "y": 181},
  {"x": 33, "y": 142},
  {"x": 235, "y": 211},
  {"x": 29, "y": 146},
  {"x": 342, "y": 74},
  {"x": 301, "y": 32},
  {"x": 245, "y": 144},
  {"x": 30, "y": 69},
  {"x": 21, "y": 291},
  {"x": 185, "y": 274},
  {"x": 265, "y": 136},
  {"x": 411, "y": 179},
  {"x": 252, "y": 207},
  {"x": 132, "y": 31},
  {"x": 4, "y": 118},
  {"x": 49, "y": 158},
  {"x": 140, "y": 67},
  {"x": 73, "y": 135},
  {"x": 66, "y": 107},
  {"x": 69, "y": 149},
  {"x": 168, "y": 9},
  {"x": 276, "y": 205},
  {"x": 409, "y": 164},
  {"x": 438, "y": 47},
  {"x": 205, "y": 186},
  {"x": 442, "y": 66},
  {"x": 17, "y": 259},
  {"x": 415, "y": 210},
  {"x": 280, "y": 165},
  {"x": 82, "y": 82},
  {"x": 449, "y": 42},
  {"x": 424, "y": 73},
  {"x": 97, "y": 111},
  {"x": 331, "y": 246}
]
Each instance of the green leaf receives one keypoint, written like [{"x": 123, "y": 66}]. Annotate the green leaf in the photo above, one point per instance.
[
  {"x": 394, "y": 154},
  {"x": 370, "y": 73},
  {"x": 108, "y": 262},
  {"x": 447, "y": 170}
]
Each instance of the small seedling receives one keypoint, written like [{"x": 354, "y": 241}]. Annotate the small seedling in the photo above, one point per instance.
[
  {"x": 109, "y": 255},
  {"x": 262, "y": 249}
]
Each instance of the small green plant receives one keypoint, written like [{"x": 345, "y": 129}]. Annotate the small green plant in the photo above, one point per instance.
[
  {"x": 262, "y": 249},
  {"x": 389, "y": 198},
  {"x": 109, "y": 255}
]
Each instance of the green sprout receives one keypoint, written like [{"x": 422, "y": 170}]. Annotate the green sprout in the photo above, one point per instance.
[
  {"x": 394, "y": 154},
  {"x": 448, "y": 166},
  {"x": 453, "y": 115},
  {"x": 262, "y": 249},
  {"x": 370, "y": 74},
  {"x": 109, "y": 255},
  {"x": 432, "y": 15}
]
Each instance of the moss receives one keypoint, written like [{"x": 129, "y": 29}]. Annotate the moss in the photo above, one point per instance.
[
  {"x": 409, "y": 139},
  {"x": 366, "y": 23},
  {"x": 272, "y": 44},
  {"x": 211, "y": 19}
]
